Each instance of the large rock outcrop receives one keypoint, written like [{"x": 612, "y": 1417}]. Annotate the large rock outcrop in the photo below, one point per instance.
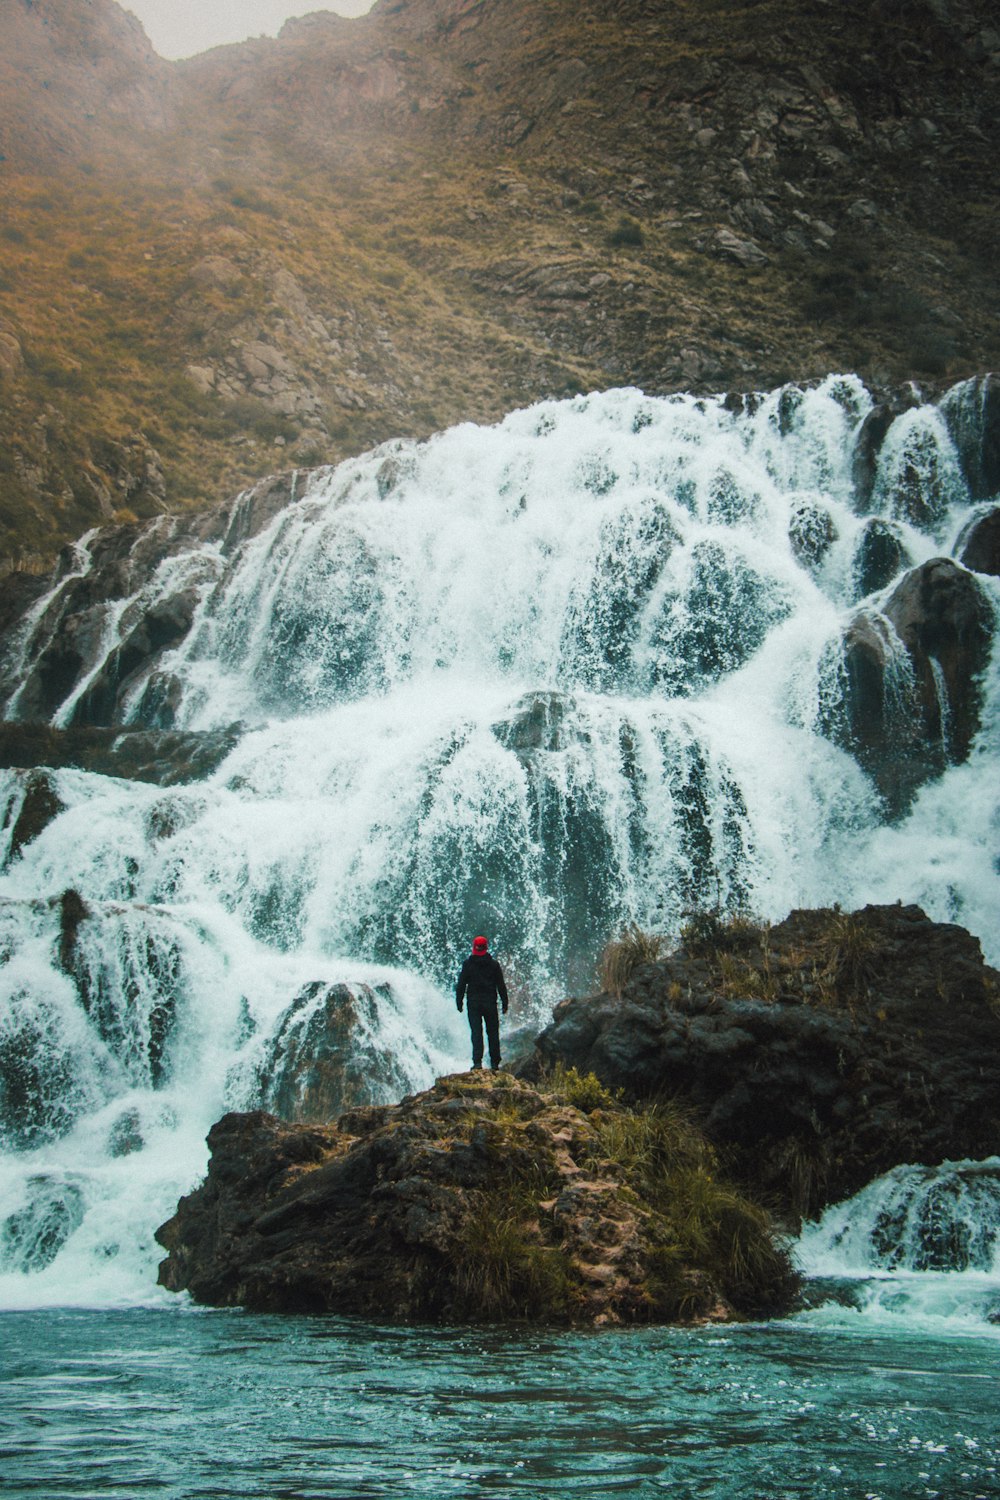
[
  {"x": 327, "y": 1054},
  {"x": 483, "y": 1198},
  {"x": 818, "y": 1053},
  {"x": 980, "y": 543},
  {"x": 912, "y": 679}
]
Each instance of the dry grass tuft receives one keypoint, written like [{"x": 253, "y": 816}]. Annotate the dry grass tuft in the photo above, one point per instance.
[
  {"x": 623, "y": 955},
  {"x": 845, "y": 960},
  {"x": 506, "y": 1271},
  {"x": 707, "y": 933}
]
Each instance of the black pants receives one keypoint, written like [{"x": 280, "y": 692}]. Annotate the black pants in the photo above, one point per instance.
[{"x": 481, "y": 1010}]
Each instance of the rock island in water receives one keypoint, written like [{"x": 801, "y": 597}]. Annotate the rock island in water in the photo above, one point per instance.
[
  {"x": 798, "y": 1062},
  {"x": 485, "y": 1198}
]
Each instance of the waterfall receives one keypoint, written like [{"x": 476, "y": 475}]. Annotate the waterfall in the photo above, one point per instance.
[
  {"x": 920, "y": 1245},
  {"x": 538, "y": 680}
]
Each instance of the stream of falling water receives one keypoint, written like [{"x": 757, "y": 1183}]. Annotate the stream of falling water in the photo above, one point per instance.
[{"x": 536, "y": 680}]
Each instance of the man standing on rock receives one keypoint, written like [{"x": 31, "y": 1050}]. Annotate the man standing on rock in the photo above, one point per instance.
[{"x": 482, "y": 979}]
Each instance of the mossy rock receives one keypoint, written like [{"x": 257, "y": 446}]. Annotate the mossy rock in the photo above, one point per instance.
[{"x": 483, "y": 1199}]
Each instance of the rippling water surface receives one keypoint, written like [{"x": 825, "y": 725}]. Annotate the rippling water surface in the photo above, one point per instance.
[{"x": 204, "y": 1405}]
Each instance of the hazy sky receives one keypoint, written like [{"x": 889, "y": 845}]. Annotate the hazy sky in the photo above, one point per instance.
[{"x": 179, "y": 28}]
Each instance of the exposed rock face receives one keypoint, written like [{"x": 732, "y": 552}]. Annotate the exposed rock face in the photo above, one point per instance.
[
  {"x": 907, "y": 716},
  {"x": 325, "y": 1056},
  {"x": 672, "y": 196},
  {"x": 981, "y": 544},
  {"x": 817, "y": 1053},
  {"x": 103, "y": 83},
  {"x": 166, "y": 758},
  {"x": 483, "y": 1198}
]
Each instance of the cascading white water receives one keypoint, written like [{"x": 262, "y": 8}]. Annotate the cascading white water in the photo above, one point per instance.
[
  {"x": 920, "y": 1245},
  {"x": 537, "y": 680}
]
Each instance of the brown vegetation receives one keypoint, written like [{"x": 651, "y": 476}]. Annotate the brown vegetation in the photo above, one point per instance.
[{"x": 443, "y": 211}]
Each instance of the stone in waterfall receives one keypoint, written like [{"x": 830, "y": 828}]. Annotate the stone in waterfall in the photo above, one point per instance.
[
  {"x": 980, "y": 544},
  {"x": 483, "y": 1198},
  {"x": 869, "y": 439},
  {"x": 166, "y": 758},
  {"x": 32, "y": 1236},
  {"x": 537, "y": 722},
  {"x": 817, "y": 1053},
  {"x": 326, "y": 1056},
  {"x": 943, "y": 619},
  {"x": 812, "y": 533},
  {"x": 879, "y": 555},
  {"x": 138, "y": 1034},
  {"x": 40, "y": 805},
  {"x": 972, "y": 412},
  {"x": 907, "y": 717}
]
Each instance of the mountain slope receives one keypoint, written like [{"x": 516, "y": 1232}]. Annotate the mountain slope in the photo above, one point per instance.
[{"x": 288, "y": 250}]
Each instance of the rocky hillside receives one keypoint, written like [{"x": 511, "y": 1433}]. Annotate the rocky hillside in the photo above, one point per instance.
[{"x": 282, "y": 252}]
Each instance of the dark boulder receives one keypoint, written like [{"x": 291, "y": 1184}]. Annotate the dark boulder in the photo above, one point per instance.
[
  {"x": 325, "y": 1055},
  {"x": 817, "y": 1054},
  {"x": 484, "y": 1199},
  {"x": 980, "y": 544},
  {"x": 946, "y": 624},
  {"x": 879, "y": 556},
  {"x": 40, "y": 805},
  {"x": 912, "y": 697},
  {"x": 537, "y": 722},
  {"x": 972, "y": 412},
  {"x": 73, "y": 911},
  {"x": 869, "y": 439},
  {"x": 166, "y": 758},
  {"x": 812, "y": 533}
]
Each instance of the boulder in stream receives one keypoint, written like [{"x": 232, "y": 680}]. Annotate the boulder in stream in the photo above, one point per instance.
[{"x": 484, "y": 1198}]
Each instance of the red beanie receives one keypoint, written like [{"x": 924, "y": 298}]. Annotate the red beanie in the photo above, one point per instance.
[{"x": 479, "y": 945}]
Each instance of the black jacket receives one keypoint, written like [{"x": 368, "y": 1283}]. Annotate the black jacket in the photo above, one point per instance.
[{"x": 482, "y": 977}]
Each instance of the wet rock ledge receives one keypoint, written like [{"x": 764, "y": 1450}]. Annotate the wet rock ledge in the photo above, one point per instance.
[{"x": 484, "y": 1198}]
